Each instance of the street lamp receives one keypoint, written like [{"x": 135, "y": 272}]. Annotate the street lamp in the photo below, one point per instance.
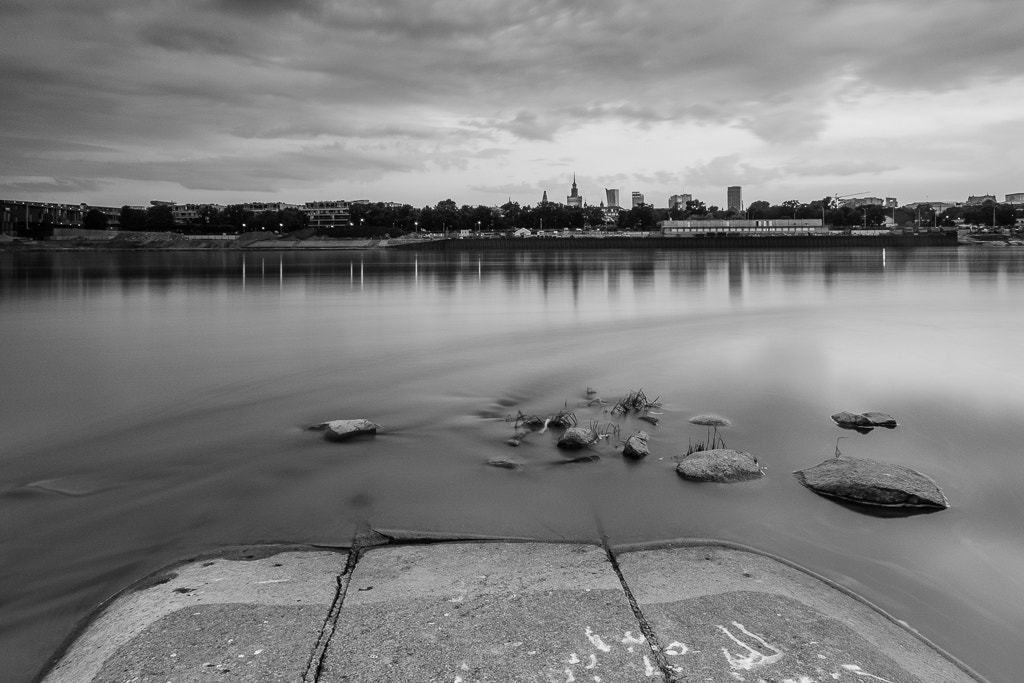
[{"x": 416, "y": 226}]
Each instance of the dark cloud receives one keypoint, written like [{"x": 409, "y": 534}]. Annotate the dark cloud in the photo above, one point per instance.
[
  {"x": 55, "y": 186},
  {"x": 172, "y": 82}
]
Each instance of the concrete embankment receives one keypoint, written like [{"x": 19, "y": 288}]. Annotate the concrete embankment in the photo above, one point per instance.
[
  {"x": 720, "y": 242},
  {"x": 496, "y": 611}
]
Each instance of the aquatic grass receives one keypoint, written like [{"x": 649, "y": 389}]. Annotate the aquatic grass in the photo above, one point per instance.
[{"x": 635, "y": 401}]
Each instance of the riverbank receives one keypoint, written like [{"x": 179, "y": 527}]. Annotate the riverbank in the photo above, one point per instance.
[
  {"x": 262, "y": 242},
  {"x": 396, "y": 607}
]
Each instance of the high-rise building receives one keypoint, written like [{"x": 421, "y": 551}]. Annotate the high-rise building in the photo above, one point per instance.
[
  {"x": 1015, "y": 198},
  {"x": 574, "y": 199},
  {"x": 638, "y": 198},
  {"x": 611, "y": 197},
  {"x": 678, "y": 201},
  {"x": 734, "y": 198}
]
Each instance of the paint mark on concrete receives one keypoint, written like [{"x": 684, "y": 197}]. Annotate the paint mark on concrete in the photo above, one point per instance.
[
  {"x": 854, "y": 669},
  {"x": 574, "y": 659},
  {"x": 753, "y": 659},
  {"x": 648, "y": 667},
  {"x": 630, "y": 639},
  {"x": 592, "y": 663},
  {"x": 596, "y": 641},
  {"x": 676, "y": 649}
]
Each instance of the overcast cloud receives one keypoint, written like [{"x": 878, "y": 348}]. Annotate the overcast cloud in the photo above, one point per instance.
[{"x": 111, "y": 102}]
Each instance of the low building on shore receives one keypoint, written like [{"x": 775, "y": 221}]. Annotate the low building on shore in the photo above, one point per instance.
[{"x": 742, "y": 226}]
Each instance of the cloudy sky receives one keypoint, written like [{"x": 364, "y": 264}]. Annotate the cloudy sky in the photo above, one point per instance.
[{"x": 123, "y": 101}]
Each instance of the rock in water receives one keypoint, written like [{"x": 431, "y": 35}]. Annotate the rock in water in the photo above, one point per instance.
[
  {"x": 871, "y": 482},
  {"x": 851, "y": 420},
  {"x": 880, "y": 419},
  {"x": 722, "y": 465},
  {"x": 586, "y": 457},
  {"x": 505, "y": 463},
  {"x": 577, "y": 437},
  {"x": 339, "y": 430},
  {"x": 636, "y": 446}
]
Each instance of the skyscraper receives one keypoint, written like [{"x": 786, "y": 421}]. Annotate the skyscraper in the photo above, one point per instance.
[
  {"x": 678, "y": 201},
  {"x": 734, "y": 199},
  {"x": 638, "y": 198},
  {"x": 611, "y": 197},
  {"x": 574, "y": 199}
]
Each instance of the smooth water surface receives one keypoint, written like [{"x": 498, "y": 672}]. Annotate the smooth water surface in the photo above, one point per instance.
[{"x": 154, "y": 406}]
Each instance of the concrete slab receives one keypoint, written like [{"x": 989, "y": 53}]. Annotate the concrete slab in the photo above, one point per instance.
[
  {"x": 723, "y": 614},
  {"x": 461, "y": 612},
  {"x": 257, "y": 619}
]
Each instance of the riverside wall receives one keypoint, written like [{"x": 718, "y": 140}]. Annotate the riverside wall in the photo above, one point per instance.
[{"x": 708, "y": 242}]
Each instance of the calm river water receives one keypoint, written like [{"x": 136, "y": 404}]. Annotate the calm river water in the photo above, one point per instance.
[{"x": 154, "y": 405}]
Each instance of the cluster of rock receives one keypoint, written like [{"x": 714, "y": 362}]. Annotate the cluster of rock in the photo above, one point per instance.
[
  {"x": 854, "y": 480},
  {"x": 863, "y": 481}
]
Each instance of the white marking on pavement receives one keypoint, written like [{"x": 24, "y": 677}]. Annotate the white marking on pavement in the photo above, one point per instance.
[
  {"x": 648, "y": 668},
  {"x": 569, "y": 678},
  {"x": 853, "y": 668},
  {"x": 630, "y": 639},
  {"x": 676, "y": 648},
  {"x": 593, "y": 661},
  {"x": 596, "y": 641},
  {"x": 754, "y": 659}
]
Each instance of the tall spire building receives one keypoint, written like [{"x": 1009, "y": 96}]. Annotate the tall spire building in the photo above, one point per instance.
[{"x": 574, "y": 199}]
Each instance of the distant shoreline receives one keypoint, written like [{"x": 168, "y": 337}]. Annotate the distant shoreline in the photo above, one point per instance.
[{"x": 181, "y": 243}]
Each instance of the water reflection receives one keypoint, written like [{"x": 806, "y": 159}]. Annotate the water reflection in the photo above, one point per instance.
[{"x": 643, "y": 270}]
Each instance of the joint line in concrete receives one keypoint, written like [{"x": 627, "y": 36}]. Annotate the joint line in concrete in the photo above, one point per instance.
[{"x": 645, "y": 627}]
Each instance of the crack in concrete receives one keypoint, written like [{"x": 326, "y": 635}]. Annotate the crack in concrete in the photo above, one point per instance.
[
  {"x": 318, "y": 655},
  {"x": 657, "y": 651}
]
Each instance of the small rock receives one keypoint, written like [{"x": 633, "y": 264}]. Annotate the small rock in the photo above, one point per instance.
[
  {"x": 722, "y": 465},
  {"x": 851, "y": 420},
  {"x": 585, "y": 457},
  {"x": 636, "y": 446},
  {"x": 880, "y": 419},
  {"x": 339, "y": 430},
  {"x": 577, "y": 437},
  {"x": 505, "y": 463},
  {"x": 711, "y": 420},
  {"x": 871, "y": 482},
  {"x": 650, "y": 418}
]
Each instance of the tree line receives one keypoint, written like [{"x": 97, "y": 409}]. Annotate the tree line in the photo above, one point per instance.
[{"x": 378, "y": 219}]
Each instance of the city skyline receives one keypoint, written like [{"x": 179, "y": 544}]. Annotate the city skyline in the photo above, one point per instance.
[{"x": 223, "y": 101}]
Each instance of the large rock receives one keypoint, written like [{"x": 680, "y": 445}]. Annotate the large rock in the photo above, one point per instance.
[
  {"x": 871, "y": 482},
  {"x": 340, "y": 430},
  {"x": 577, "y": 437},
  {"x": 721, "y": 465},
  {"x": 636, "y": 446}
]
